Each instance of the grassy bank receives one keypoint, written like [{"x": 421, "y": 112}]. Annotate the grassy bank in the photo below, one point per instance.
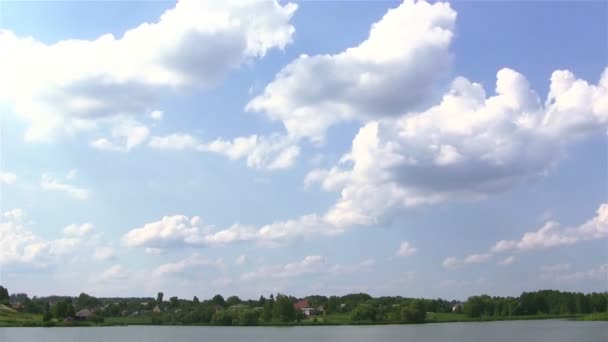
[
  {"x": 11, "y": 318},
  {"x": 600, "y": 316}
]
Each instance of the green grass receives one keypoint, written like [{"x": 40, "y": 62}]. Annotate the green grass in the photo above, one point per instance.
[
  {"x": 11, "y": 318},
  {"x": 433, "y": 317},
  {"x": 599, "y": 316}
]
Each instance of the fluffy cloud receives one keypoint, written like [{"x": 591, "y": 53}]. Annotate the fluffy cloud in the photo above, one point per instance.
[
  {"x": 562, "y": 272},
  {"x": 72, "y": 84},
  {"x": 310, "y": 265},
  {"x": 553, "y": 235},
  {"x": 7, "y": 177},
  {"x": 49, "y": 183},
  {"x": 104, "y": 253},
  {"x": 396, "y": 69},
  {"x": 508, "y": 260},
  {"x": 179, "y": 230},
  {"x": 406, "y": 249},
  {"x": 125, "y": 135},
  {"x": 183, "y": 265},
  {"x": 467, "y": 147},
  {"x": 79, "y": 230},
  {"x": 261, "y": 152},
  {"x": 157, "y": 115},
  {"x": 21, "y": 246},
  {"x": 550, "y": 235},
  {"x": 240, "y": 260},
  {"x": 115, "y": 272},
  {"x": 168, "y": 231}
]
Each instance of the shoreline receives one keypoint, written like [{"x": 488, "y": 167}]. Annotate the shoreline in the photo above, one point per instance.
[{"x": 574, "y": 317}]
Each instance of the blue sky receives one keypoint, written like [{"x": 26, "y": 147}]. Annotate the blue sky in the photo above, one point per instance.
[{"x": 251, "y": 148}]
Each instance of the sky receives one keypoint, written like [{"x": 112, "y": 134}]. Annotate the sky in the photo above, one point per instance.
[{"x": 247, "y": 148}]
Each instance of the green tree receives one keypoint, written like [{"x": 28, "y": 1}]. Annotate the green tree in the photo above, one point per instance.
[
  {"x": 363, "y": 312},
  {"x": 4, "y": 297},
  {"x": 159, "y": 299},
  {"x": 174, "y": 302},
  {"x": 60, "y": 309},
  {"x": 218, "y": 300},
  {"x": 283, "y": 309},
  {"x": 415, "y": 312},
  {"x": 233, "y": 300},
  {"x": 195, "y": 300}
]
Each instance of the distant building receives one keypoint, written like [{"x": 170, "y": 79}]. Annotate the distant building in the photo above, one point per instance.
[
  {"x": 83, "y": 315},
  {"x": 301, "y": 304},
  {"x": 156, "y": 309}
]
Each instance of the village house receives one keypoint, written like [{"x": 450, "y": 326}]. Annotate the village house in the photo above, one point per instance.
[
  {"x": 83, "y": 315},
  {"x": 304, "y": 307}
]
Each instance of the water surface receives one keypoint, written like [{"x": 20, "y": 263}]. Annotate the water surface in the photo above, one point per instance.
[{"x": 519, "y": 331}]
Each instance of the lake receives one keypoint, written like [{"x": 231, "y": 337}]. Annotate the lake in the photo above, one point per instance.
[{"x": 520, "y": 331}]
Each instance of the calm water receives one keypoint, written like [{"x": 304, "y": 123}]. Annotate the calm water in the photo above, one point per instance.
[{"x": 519, "y": 331}]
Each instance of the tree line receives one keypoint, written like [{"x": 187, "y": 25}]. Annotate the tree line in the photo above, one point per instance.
[{"x": 279, "y": 309}]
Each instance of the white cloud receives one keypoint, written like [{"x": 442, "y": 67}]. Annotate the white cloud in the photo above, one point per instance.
[
  {"x": 551, "y": 235},
  {"x": 508, "y": 260},
  {"x": 19, "y": 245},
  {"x": 115, "y": 272},
  {"x": 104, "y": 253},
  {"x": 310, "y": 265},
  {"x": 556, "y": 268},
  {"x": 406, "y": 249},
  {"x": 240, "y": 260},
  {"x": 71, "y": 84},
  {"x": 188, "y": 263},
  {"x": 599, "y": 272},
  {"x": 468, "y": 147},
  {"x": 154, "y": 251},
  {"x": 7, "y": 177},
  {"x": 450, "y": 262},
  {"x": 261, "y": 152},
  {"x": 125, "y": 135},
  {"x": 396, "y": 69},
  {"x": 79, "y": 230},
  {"x": 477, "y": 258},
  {"x": 157, "y": 115},
  {"x": 170, "y": 230},
  {"x": 72, "y": 174},
  {"x": 49, "y": 183},
  {"x": 179, "y": 231}
]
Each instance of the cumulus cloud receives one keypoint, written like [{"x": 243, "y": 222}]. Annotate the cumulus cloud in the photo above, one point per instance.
[
  {"x": 550, "y": 235},
  {"x": 104, "y": 253},
  {"x": 564, "y": 273},
  {"x": 396, "y": 69},
  {"x": 170, "y": 230},
  {"x": 553, "y": 235},
  {"x": 49, "y": 183},
  {"x": 157, "y": 115},
  {"x": 240, "y": 260},
  {"x": 125, "y": 135},
  {"x": 183, "y": 265},
  {"x": 406, "y": 249},
  {"x": 179, "y": 230},
  {"x": 508, "y": 260},
  {"x": 79, "y": 230},
  {"x": 260, "y": 152},
  {"x": 310, "y": 265},
  {"x": 71, "y": 84},
  {"x": 7, "y": 177},
  {"x": 19, "y": 245},
  {"x": 115, "y": 272},
  {"x": 467, "y": 147}
]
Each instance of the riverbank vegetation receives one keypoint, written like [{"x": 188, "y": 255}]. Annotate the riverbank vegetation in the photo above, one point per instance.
[{"x": 284, "y": 310}]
